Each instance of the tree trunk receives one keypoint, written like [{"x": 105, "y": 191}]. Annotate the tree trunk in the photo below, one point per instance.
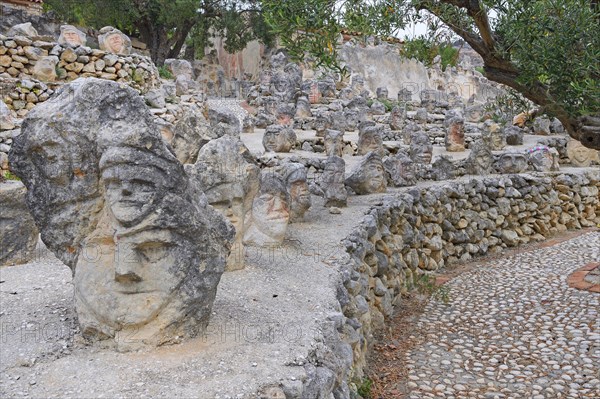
[{"x": 157, "y": 41}]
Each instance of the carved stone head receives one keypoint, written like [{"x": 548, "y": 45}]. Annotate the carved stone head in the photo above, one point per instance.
[
  {"x": 400, "y": 170},
  {"x": 493, "y": 136},
  {"x": 542, "y": 158},
  {"x": 334, "y": 142},
  {"x": 332, "y": 182},
  {"x": 370, "y": 139},
  {"x": 322, "y": 123},
  {"x": 480, "y": 159},
  {"x": 369, "y": 176},
  {"x": 71, "y": 36},
  {"x": 581, "y": 156},
  {"x": 114, "y": 41},
  {"x": 421, "y": 149},
  {"x": 297, "y": 188},
  {"x": 512, "y": 162},
  {"x": 146, "y": 250},
  {"x": 268, "y": 221},
  {"x": 229, "y": 178},
  {"x": 455, "y": 134},
  {"x": 279, "y": 139}
]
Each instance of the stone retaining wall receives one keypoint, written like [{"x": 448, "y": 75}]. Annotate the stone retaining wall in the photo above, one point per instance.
[
  {"x": 24, "y": 58},
  {"x": 425, "y": 229}
]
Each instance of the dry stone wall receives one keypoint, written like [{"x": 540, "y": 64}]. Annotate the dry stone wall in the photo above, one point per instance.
[
  {"x": 424, "y": 229},
  {"x": 25, "y": 58}
]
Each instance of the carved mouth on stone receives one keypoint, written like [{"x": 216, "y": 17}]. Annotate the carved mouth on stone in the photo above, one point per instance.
[{"x": 282, "y": 215}]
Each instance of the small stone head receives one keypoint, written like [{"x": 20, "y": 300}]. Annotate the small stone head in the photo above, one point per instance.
[
  {"x": 421, "y": 149},
  {"x": 279, "y": 139},
  {"x": 493, "y": 136},
  {"x": 512, "y": 162},
  {"x": 71, "y": 36},
  {"x": 369, "y": 177},
  {"x": 270, "y": 211},
  {"x": 543, "y": 158},
  {"x": 581, "y": 156},
  {"x": 334, "y": 142},
  {"x": 322, "y": 123},
  {"x": 370, "y": 139},
  {"x": 114, "y": 41},
  {"x": 297, "y": 189},
  {"x": 400, "y": 170},
  {"x": 332, "y": 181},
  {"x": 480, "y": 160}
]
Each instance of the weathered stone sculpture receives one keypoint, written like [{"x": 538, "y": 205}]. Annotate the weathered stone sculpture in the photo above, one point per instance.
[
  {"x": 6, "y": 119},
  {"x": 542, "y": 158},
  {"x": 71, "y": 36},
  {"x": 268, "y": 221},
  {"x": 228, "y": 176},
  {"x": 443, "y": 168},
  {"x": 279, "y": 139},
  {"x": 190, "y": 133},
  {"x": 400, "y": 170},
  {"x": 115, "y": 205},
  {"x": 480, "y": 159},
  {"x": 332, "y": 182},
  {"x": 45, "y": 69},
  {"x": 297, "y": 189},
  {"x": 511, "y": 162},
  {"x": 303, "y": 108},
  {"x": 493, "y": 136},
  {"x": 397, "y": 118},
  {"x": 370, "y": 139},
  {"x": 18, "y": 233},
  {"x": 322, "y": 123},
  {"x": 369, "y": 176},
  {"x": 455, "y": 134},
  {"x": 581, "y": 156},
  {"x": 382, "y": 93},
  {"x": 114, "y": 41},
  {"x": 541, "y": 126},
  {"x": 334, "y": 142},
  {"x": 421, "y": 149},
  {"x": 513, "y": 135}
]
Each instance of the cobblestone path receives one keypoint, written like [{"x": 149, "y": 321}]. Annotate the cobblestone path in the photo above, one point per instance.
[{"x": 513, "y": 328}]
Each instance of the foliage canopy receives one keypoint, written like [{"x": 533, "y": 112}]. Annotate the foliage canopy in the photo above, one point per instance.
[{"x": 548, "y": 50}]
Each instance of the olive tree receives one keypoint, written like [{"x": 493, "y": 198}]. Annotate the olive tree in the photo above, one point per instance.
[{"x": 547, "y": 50}]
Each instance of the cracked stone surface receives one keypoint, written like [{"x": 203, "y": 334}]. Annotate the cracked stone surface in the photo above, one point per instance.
[{"x": 513, "y": 329}]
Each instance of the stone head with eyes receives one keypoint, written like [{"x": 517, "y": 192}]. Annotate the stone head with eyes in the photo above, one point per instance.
[{"x": 116, "y": 206}]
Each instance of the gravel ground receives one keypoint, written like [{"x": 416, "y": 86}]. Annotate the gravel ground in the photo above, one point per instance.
[
  {"x": 513, "y": 329},
  {"x": 265, "y": 321}
]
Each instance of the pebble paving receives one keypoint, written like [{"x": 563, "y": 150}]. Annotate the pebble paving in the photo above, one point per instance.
[{"x": 513, "y": 329}]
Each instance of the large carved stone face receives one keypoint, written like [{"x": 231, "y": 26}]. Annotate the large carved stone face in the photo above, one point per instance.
[
  {"x": 130, "y": 193},
  {"x": 129, "y": 281}
]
